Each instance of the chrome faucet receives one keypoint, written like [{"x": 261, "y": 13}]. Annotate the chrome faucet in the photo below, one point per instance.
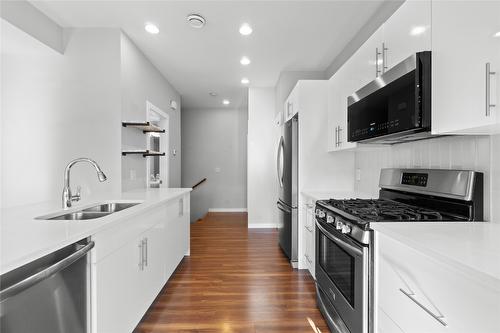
[{"x": 67, "y": 196}]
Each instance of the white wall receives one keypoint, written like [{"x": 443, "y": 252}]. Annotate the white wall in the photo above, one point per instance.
[
  {"x": 479, "y": 153},
  {"x": 214, "y": 142},
  {"x": 141, "y": 82},
  {"x": 262, "y": 143},
  {"x": 56, "y": 108}
]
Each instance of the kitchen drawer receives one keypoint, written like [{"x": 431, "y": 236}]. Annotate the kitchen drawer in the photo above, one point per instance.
[
  {"x": 110, "y": 240},
  {"x": 464, "y": 305}
]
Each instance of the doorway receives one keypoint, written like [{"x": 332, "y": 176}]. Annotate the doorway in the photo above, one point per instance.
[{"x": 158, "y": 166}]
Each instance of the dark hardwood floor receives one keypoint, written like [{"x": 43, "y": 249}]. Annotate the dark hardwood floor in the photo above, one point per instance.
[{"x": 236, "y": 280}]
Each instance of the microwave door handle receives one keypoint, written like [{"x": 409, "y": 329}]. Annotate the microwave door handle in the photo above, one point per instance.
[{"x": 346, "y": 246}]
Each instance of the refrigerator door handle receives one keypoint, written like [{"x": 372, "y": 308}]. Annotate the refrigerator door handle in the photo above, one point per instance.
[{"x": 279, "y": 166}]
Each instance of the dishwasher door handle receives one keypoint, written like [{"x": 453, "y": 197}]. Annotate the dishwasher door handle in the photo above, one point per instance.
[{"x": 46, "y": 273}]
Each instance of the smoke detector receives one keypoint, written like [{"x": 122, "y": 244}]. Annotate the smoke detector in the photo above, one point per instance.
[{"x": 196, "y": 21}]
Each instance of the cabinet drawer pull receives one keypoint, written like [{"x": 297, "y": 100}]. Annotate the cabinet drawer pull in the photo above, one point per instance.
[
  {"x": 439, "y": 318},
  {"x": 339, "y": 140},
  {"x": 489, "y": 74},
  {"x": 308, "y": 229}
]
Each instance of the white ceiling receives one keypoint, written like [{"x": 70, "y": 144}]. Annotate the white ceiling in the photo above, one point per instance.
[{"x": 287, "y": 35}]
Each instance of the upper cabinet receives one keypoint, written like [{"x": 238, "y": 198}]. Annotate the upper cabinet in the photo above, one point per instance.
[
  {"x": 465, "y": 67},
  {"x": 464, "y": 37},
  {"x": 291, "y": 106},
  {"x": 406, "y": 32}
]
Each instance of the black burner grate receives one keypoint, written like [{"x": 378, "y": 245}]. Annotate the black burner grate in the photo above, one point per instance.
[{"x": 384, "y": 210}]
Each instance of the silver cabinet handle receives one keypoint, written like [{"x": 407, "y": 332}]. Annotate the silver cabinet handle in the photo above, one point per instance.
[
  {"x": 489, "y": 73},
  {"x": 339, "y": 131},
  {"x": 384, "y": 58},
  {"x": 308, "y": 229},
  {"x": 307, "y": 258},
  {"x": 439, "y": 318},
  {"x": 377, "y": 71},
  {"x": 46, "y": 273},
  {"x": 146, "y": 252},
  {"x": 141, "y": 254}
]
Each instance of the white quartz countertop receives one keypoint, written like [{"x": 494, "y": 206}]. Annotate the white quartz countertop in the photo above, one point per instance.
[
  {"x": 473, "y": 247},
  {"x": 23, "y": 238}
]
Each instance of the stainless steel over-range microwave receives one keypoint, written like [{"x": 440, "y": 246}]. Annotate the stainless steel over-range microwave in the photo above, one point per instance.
[{"x": 396, "y": 106}]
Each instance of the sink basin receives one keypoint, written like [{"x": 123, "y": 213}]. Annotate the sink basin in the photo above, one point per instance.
[
  {"x": 93, "y": 212},
  {"x": 80, "y": 215},
  {"x": 111, "y": 207}
]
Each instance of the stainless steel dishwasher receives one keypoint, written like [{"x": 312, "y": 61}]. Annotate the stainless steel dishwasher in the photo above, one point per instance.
[{"x": 48, "y": 295}]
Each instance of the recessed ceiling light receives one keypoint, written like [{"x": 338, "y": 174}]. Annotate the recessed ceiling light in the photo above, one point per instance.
[
  {"x": 497, "y": 34},
  {"x": 151, "y": 28},
  {"x": 213, "y": 94},
  {"x": 418, "y": 30},
  {"x": 245, "y": 80},
  {"x": 245, "y": 61},
  {"x": 245, "y": 29},
  {"x": 196, "y": 21},
  {"x": 225, "y": 102}
]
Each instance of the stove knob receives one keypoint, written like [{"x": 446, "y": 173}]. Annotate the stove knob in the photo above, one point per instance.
[
  {"x": 329, "y": 219},
  {"x": 320, "y": 214},
  {"x": 339, "y": 225},
  {"x": 346, "y": 229}
]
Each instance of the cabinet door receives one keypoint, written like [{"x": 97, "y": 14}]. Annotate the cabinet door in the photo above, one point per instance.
[
  {"x": 311, "y": 253},
  {"x": 413, "y": 288},
  {"x": 407, "y": 32},
  {"x": 153, "y": 277},
  {"x": 366, "y": 62},
  {"x": 118, "y": 304},
  {"x": 463, "y": 43}
]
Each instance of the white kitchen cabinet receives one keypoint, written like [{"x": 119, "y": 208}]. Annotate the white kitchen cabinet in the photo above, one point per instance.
[
  {"x": 118, "y": 299},
  {"x": 133, "y": 261},
  {"x": 406, "y": 32},
  {"x": 291, "y": 106},
  {"x": 309, "y": 231},
  {"x": 463, "y": 42},
  {"x": 417, "y": 293}
]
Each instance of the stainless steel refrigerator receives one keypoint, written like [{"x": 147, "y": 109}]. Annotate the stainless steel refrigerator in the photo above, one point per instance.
[{"x": 287, "y": 170}]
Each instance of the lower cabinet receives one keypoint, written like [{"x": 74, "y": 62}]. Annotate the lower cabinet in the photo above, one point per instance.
[
  {"x": 418, "y": 293},
  {"x": 127, "y": 278},
  {"x": 309, "y": 238}
]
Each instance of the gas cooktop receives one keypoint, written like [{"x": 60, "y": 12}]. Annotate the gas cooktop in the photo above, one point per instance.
[{"x": 376, "y": 210}]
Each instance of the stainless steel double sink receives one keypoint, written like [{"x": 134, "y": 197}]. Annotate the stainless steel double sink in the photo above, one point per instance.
[{"x": 93, "y": 212}]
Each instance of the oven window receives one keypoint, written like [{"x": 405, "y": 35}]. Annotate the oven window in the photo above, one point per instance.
[{"x": 339, "y": 265}]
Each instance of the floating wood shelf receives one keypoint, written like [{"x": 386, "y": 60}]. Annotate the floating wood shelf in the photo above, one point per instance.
[
  {"x": 144, "y": 153},
  {"x": 145, "y": 126}
]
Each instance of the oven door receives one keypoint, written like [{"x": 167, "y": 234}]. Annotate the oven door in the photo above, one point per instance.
[{"x": 342, "y": 275}]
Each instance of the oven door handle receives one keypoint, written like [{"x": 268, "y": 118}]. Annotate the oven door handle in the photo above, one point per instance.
[{"x": 346, "y": 246}]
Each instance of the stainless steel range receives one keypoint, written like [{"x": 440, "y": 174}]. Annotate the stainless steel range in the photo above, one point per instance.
[{"x": 344, "y": 240}]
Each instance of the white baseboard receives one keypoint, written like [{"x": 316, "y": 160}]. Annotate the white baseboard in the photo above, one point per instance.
[
  {"x": 227, "y": 210},
  {"x": 262, "y": 225}
]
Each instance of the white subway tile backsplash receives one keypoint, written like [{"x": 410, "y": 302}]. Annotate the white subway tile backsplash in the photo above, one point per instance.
[{"x": 480, "y": 153}]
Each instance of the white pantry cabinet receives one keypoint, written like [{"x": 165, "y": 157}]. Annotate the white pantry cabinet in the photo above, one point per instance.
[
  {"x": 133, "y": 260},
  {"x": 463, "y": 43},
  {"x": 416, "y": 293}
]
